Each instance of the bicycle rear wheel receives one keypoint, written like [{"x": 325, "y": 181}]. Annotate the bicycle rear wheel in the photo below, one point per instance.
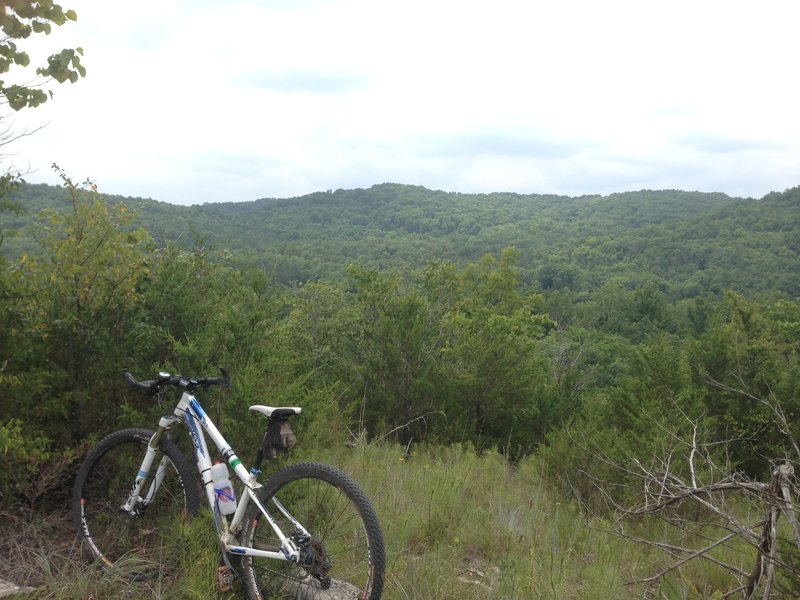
[
  {"x": 344, "y": 558},
  {"x": 139, "y": 545}
]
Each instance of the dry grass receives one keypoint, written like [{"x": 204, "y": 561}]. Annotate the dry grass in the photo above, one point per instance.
[
  {"x": 29, "y": 542},
  {"x": 456, "y": 525}
]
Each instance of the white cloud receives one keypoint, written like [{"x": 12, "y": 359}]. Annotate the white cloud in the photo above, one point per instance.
[{"x": 201, "y": 101}]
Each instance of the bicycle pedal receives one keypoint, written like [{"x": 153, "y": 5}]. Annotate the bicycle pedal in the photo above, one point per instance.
[{"x": 225, "y": 578}]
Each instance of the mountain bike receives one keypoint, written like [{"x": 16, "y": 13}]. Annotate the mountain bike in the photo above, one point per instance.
[{"x": 307, "y": 531}]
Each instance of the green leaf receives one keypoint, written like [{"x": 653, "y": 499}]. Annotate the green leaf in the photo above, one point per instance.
[
  {"x": 19, "y": 97},
  {"x": 56, "y": 15},
  {"x": 41, "y": 27},
  {"x": 22, "y": 59}
]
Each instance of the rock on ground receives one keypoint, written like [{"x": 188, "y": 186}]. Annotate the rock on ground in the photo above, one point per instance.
[
  {"x": 8, "y": 589},
  {"x": 339, "y": 590}
]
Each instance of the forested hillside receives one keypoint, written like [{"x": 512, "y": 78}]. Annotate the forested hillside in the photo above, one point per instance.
[
  {"x": 589, "y": 334},
  {"x": 690, "y": 243}
]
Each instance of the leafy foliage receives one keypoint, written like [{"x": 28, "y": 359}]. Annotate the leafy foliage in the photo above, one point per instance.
[
  {"x": 564, "y": 343},
  {"x": 72, "y": 311},
  {"x": 19, "y": 20},
  {"x": 686, "y": 244}
]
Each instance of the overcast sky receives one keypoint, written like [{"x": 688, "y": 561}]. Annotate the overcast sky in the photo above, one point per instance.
[{"x": 192, "y": 101}]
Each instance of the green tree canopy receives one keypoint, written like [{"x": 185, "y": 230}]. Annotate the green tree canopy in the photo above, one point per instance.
[{"x": 19, "y": 20}]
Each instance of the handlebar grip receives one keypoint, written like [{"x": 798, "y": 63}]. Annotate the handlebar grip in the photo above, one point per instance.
[
  {"x": 147, "y": 386},
  {"x": 223, "y": 381}
]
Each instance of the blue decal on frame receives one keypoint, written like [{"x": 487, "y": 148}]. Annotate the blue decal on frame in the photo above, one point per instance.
[
  {"x": 198, "y": 409},
  {"x": 195, "y": 434}
]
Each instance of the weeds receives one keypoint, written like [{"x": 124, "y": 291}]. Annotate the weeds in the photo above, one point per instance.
[{"x": 457, "y": 526}]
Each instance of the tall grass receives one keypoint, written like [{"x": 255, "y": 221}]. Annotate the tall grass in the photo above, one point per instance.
[
  {"x": 457, "y": 526},
  {"x": 59, "y": 572},
  {"x": 464, "y": 526}
]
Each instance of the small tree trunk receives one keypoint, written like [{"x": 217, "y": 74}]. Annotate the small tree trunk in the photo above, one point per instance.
[
  {"x": 787, "y": 472},
  {"x": 780, "y": 498}
]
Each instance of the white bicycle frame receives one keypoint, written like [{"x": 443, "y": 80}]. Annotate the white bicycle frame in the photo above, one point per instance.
[{"x": 189, "y": 411}]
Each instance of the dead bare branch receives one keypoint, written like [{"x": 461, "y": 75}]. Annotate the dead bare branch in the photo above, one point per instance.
[
  {"x": 422, "y": 418},
  {"x": 702, "y": 552},
  {"x": 664, "y": 490},
  {"x": 771, "y": 404}
]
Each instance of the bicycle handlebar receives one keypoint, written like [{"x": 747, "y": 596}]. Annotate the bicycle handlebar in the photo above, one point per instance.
[{"x": 153, "y": 386}]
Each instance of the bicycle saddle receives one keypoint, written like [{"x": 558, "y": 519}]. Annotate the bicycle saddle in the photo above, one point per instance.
[{"x": 276, "y": 412}]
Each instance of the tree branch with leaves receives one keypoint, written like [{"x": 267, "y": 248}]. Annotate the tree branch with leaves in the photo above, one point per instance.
[{"x": 19, "y": 20}]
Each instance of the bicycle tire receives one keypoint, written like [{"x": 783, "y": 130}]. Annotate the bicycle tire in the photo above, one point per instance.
[
  {"x": 136, "y": 547},
  {"x": 346, "y": 549}
]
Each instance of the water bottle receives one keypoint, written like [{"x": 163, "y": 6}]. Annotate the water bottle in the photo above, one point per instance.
[{"x": 223, "y": 488}]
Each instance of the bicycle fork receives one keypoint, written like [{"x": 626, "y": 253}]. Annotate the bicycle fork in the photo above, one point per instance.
[{"x": 135, "y": 502}]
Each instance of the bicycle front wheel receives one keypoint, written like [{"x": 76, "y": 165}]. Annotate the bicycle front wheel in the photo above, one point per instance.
[
  {"x": 344, "y": 555},
  {"x": 139, "y": 544}
]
